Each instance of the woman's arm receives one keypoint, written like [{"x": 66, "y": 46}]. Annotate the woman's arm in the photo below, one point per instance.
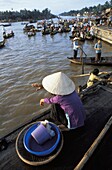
[{"x": 54, "y": 99}]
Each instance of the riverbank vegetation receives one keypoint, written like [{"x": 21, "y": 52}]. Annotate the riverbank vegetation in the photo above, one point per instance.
[
  {"x": 95, "y": 10},
  {"x": 25, "y": 15}
]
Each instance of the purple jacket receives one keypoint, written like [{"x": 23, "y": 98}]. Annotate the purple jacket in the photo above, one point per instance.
[{"x": 72, "y": 105}]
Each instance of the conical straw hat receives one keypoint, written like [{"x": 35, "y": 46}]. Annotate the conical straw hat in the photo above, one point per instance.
[{"x": 58, "y": 83}]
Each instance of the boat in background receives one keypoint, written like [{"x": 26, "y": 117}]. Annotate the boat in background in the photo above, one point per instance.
[
  {"x": 5, "y": 24},
  {"x": 8, "y": 35},
  {"x": 46, "y": 32},
  {"x": 53, "y": 32},
  {"x": 105, "y": 61},
  {"x": 28, "y": 27},
  {"x": 31, "y": 33}
]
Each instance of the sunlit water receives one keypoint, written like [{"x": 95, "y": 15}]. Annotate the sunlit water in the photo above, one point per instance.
[{"x": 24, "y": 61}]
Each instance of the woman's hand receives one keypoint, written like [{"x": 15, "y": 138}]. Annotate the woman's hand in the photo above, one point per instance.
[
  {"x": 39, "y": 86},
  {"x": 42, "y": 102}
]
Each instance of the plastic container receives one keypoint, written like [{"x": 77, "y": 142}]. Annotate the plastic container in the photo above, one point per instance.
[
  {"x": 41, "y": 134},
  {"x": 47, "y": 147}
]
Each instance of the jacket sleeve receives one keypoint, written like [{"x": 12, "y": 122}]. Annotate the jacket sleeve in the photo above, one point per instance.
[{"x": 51, "y": 100}]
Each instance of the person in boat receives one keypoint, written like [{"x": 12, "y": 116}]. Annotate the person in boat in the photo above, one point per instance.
[
  {"x": 98, "y": 47},
  {"x": 82, "y": 35},
  {"x": 66, "y": 105},
  {"x": 76, "y": 46},
  {"x": 93, "y": 78},
  {"x": 72, "y": 30}
]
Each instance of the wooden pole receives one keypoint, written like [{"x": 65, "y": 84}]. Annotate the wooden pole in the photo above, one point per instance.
[
  {"x": 81, "y": 58},
  {"x": 82, "y": 75},
  {"x": 92, "y": 148}
]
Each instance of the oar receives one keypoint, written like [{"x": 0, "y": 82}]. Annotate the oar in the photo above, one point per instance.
[
  {"x": 83, "y": 52},
  {"x": 81, "y": 57}
]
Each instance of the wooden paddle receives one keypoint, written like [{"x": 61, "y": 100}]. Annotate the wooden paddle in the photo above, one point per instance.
[{"x": 83, "y": 52}]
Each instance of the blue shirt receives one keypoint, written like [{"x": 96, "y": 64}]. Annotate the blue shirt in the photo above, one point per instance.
[{"x": 98, "y": 45}]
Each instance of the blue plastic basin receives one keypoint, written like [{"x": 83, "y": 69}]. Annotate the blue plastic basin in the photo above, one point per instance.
[{"x": 41, "y": 150}]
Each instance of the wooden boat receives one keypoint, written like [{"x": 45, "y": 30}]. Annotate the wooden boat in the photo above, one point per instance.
[
  {"x": 2, "y": 43},
  {"x": 85, "y": 148},
  {"x": 6, "y": 24},
  {"x": 28, "y": 27},
  {"x": 53, "y": 32},
  {"x": 30, "y": 34},
  {"x": 47, "y": 31},
  {"x": 105, "y": 61},
  {"x": 24, "y": 23},
  {"x": 89, "y": 37},
  {"x": 66, "y": 29},
  {"x": 8, "y": 35}
]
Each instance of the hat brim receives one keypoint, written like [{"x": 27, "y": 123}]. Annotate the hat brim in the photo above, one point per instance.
[{"x": 58, "y": 84}]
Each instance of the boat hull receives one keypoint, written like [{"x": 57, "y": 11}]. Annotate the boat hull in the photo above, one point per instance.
[{"x": 106, "y": 61}]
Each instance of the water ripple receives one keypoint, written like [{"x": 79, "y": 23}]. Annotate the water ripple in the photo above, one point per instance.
[{"x": 24, "y": 61}]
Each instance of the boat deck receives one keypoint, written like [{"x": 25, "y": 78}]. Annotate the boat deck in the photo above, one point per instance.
[{"x": 98, "y": 104}]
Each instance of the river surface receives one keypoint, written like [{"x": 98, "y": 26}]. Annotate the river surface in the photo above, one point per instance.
[{"x": 24, "y": 61}]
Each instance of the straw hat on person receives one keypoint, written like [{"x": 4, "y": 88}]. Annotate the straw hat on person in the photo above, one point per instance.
[{"x": 58, "y": 84}]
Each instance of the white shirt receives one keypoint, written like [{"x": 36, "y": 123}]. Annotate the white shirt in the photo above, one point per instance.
[{"x": 75, "y": 45}]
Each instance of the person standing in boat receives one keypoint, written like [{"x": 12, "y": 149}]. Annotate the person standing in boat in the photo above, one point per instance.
[
  {"x": 66, "y": 105},
  {"x": 73, "y": 30},
  {"x": 76, "y": 46},
  {"x": 98, "y": 47}
]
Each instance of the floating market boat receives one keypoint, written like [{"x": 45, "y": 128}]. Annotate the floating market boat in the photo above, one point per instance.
[
  {"x": 87, "y": 147},
  {"x": 53, "y": 32},
  {"x": 5, "y": 24},
  {"x": 28, "y": 27},
  {"x": 66, "y": 29},
  {"x": 31, "y": 33},
  {"x": 45, "y": 32},
  {"x": 105, "y": 61},
  {"x": 89, "y": 37},
  {"x": 8, "y": 35}
]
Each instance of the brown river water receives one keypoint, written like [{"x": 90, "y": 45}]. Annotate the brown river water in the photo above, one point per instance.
[{"x": 24, "y": 61}]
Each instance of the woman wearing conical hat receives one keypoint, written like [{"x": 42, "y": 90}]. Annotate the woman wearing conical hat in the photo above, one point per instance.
[{"x": 68, "y": 108}]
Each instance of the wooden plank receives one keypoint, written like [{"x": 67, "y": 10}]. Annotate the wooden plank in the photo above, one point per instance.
[{"x": 92, "y": 148}]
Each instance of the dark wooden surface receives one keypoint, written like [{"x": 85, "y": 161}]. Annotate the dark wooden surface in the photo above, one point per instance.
[{"x": 98, "y": 105}]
